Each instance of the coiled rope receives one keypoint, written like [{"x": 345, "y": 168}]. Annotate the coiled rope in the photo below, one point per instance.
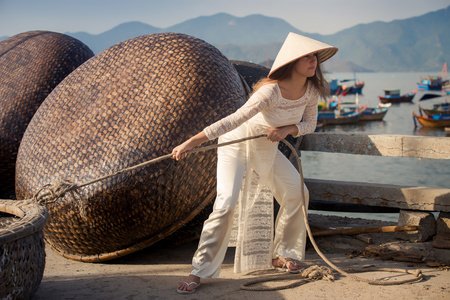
[{"x": 51, "y": 192}]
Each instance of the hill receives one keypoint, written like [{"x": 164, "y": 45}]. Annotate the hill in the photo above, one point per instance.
[{"x": 416, "y": 44}]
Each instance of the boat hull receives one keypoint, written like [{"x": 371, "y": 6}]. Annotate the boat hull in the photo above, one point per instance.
[
  {"x": 430, "y": 122},
  {"x": 32, "y": 64},
  {"x": 373, "y": 115},
  {"x": 355, "y": 89},
  {"x": 127, "y": 105},
  {"x": 425, "y": 87},
  {"x": 397, "y": 99},
  {"x": 435, "y": 112},
  {"x": 330, "y": 118}
]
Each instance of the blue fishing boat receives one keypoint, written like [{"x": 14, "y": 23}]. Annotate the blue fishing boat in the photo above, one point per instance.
[
  {"x": 343, "y": 89},
  {"x": 338, "y": 117},
  {"x": 374, "y": 113},
  {"x": 394, "y": 96},
  {"x": 430, "y": 83},
  {"x": 367, "y": 113},
  {"x": 434, "y": 83}
]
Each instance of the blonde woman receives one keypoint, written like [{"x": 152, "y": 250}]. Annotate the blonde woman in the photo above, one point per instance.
[{"x": 251, "y": 173}]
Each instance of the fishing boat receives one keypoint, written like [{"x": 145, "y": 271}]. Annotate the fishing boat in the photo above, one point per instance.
[
  {"x": 431, "y": 83},
  {"x": 370, "y": 113},
  {"x": 436, "y": 121},
  {"x": 335, "y": 87},
  {"x": 353, "y": 89},
  {"x": 442, "y": 107},
  {"x": 437, "y": 110},
  {"x": 435, "y": 117},
  {"x": 367, "y": 113},
  {"x": 338, "y": 116},
  {"x": 340, "y": 89},
  {"x": 393, "y": 96},
  {"x": 375, "y": 113},
  {"x": 434, "y": 83}
]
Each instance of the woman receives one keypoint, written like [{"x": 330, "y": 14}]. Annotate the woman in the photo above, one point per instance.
[{"x": 251, "y": 173}]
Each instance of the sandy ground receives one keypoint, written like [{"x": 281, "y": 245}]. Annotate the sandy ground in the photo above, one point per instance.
[{"x": 153, "y": 273}]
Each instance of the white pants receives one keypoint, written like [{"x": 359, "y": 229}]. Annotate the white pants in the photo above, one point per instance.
[{"x": 289, "y": 240}]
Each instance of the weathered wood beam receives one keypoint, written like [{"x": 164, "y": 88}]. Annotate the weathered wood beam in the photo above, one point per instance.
[
  {"x": 378, "y": 144},
  {"x": 383, "y": 195}
]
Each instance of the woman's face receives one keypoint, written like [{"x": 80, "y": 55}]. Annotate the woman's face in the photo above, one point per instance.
[{"x": 306, "y": 65}]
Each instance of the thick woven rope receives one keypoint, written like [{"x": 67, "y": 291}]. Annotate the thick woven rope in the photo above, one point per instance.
[
  {"x": 130, "y": 103},
  {"x": 22, "y": 248},
  {"x": 32, "y": 64}
]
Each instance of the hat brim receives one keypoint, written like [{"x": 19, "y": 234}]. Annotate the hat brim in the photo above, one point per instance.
[
  {"x": 322, "y": 56},
  {"x": 296, "y": 46}
]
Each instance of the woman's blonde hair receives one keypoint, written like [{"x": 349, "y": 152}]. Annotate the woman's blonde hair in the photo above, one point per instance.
[{"x": 285, "y": 72}]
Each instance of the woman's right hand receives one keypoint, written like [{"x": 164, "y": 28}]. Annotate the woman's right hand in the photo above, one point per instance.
[{"x": 180, "y": 151}]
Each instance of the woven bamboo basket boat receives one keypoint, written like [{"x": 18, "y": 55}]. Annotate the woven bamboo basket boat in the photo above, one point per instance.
[
  {"x": 128, "y": 104},
  {"x": 22, "y": 249},
  {"x": 32, "y": 64}
]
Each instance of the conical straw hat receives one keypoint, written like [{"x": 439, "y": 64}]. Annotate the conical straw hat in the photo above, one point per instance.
[{"x": 296, "y": 46}]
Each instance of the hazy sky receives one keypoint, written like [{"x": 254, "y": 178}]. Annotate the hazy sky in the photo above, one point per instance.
[{"x": 96, "y": 16}]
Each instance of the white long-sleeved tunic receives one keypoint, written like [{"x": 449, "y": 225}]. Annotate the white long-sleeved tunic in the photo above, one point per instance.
[
  {"x": 270, "y": 109},
  {"x": 253, "y": 220}
]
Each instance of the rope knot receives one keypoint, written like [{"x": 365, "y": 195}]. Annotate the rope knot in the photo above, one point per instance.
[
  {"x": 318, "y": 272},
  {"x": 50, "y": 193}
]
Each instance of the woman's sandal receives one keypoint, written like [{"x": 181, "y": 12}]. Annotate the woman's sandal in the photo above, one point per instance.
[
  {"x": 179, "y": 291},
  {"x": 295, "y": 267}
]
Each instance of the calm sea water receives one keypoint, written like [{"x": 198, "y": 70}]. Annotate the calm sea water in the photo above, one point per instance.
[{"x": 398, "y": 120}]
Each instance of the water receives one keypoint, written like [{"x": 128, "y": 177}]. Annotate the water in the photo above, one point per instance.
[{"x": 398, "y": 120}]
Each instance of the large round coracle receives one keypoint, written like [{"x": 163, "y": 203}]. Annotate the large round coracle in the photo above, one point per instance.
[
  {"x": 129, "y": 104},
  {"x": 32, "y": 64}
]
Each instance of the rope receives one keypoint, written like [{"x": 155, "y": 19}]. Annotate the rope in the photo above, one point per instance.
[
  {"x": 323, "y": 272},
  {"x": 314, "y": 273},
  {"x": 51, "y": 192},
  {"x": 310, "y": 274}
]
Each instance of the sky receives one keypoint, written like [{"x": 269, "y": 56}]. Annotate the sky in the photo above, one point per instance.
[{"x": 96, "y": 16}]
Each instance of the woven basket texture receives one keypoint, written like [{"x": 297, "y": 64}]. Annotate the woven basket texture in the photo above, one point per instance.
[
  {"x": 130, "y": 103},
  {"x": 251, "y": 72},
  {"x": 32, "y": 64},
  {"x": 22, "y": 248}
]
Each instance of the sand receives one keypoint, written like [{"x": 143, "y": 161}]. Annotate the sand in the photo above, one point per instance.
[{"x": 154, "y": 272}]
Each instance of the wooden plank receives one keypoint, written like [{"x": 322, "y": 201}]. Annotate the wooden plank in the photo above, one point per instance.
[
  {"x": 378, "y": 145},
  {"x": 383, "y": 195}
]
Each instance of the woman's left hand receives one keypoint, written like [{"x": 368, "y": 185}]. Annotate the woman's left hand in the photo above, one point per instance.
[{"x": 276, "y": 134}]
